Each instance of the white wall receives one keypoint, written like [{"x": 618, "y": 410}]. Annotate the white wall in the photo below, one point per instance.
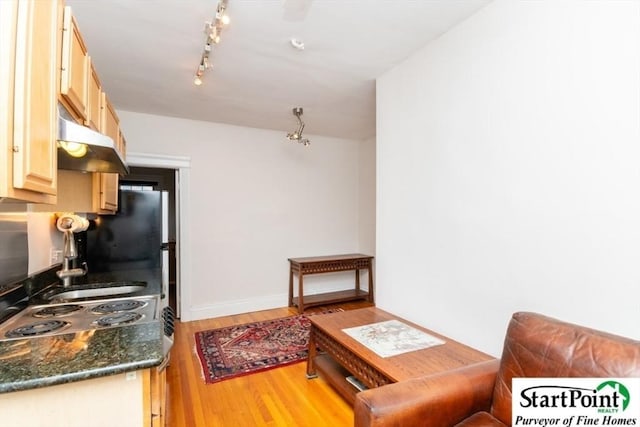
[
  {"x": 255, "y": 200},
  {"x": 42, "y": 237},
  {"x": 508, "y": 172},
  {"x": 367, "y": 197}
]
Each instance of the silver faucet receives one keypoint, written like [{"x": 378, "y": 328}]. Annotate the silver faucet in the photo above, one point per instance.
[{"x": 69, "y": 253}]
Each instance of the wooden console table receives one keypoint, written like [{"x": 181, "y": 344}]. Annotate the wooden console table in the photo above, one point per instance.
[{"x": 329, "y": 264}]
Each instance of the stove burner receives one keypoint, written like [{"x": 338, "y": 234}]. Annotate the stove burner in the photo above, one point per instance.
[
  {"x": 57, "y": 310},
  {"x": 118, "y": 306},
  {"x": 38, "y": 328},
  {"x": 118, "y": 319}
]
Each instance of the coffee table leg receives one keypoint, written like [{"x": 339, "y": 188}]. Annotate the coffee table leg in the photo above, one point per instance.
[{"x": 313, "y": 351}]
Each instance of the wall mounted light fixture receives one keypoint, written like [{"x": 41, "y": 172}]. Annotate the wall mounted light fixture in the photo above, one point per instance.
[
  {"x": 212, "y": 30},
  {"x": 297, "y": 134}
]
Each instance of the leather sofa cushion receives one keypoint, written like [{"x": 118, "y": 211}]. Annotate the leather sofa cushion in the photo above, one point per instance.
[
  {"x": 539, "y": 346},
  {"x": 481, "y": 419}
]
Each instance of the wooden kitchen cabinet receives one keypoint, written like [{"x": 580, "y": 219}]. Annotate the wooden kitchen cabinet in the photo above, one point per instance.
[
  {"x": 110, "y": 121},
  {"x": 83, "y": 192},
  {"x": 94, "y": 100},
  {"x": 74, "y": 76},
  {"x": 133, "y": 399},
  {"x": 106, "y": 184},
  {"x": 156, "y": 396},
  {"x": 30, "y": 37},
  {"x": 122, "y": 145},
  {"x": 105, "y": 192}
]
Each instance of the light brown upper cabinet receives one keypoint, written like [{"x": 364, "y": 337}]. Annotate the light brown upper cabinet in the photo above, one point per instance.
[
  {"x": 122, "y": 145},
  {"x": 105, "y": 189},
  {"x": 94, "y": 99},
  {"x": 106, "y": 184},
  {"x": 110, "y": 120},
  {"x": 30, "y": 36},
  {"x": 74, "y": 76}
]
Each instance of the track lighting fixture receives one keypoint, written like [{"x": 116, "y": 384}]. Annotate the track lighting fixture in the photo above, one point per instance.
[
  {"x": 212, "y": 30},
  {"x": 297, "y": 134}
]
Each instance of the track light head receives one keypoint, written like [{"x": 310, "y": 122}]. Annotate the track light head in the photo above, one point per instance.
[
  {"x": 297, "y": 134},
  {"x": 212, "y": 29}
]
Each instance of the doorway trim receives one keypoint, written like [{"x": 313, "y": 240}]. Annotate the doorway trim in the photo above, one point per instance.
[{"x": 183, "y": 267}]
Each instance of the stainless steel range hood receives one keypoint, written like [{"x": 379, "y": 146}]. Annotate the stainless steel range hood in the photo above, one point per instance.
[{"x": 101, "y": 154}]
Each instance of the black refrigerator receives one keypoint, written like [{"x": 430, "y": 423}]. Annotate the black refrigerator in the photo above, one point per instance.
[{"x": 134, "y": 239}]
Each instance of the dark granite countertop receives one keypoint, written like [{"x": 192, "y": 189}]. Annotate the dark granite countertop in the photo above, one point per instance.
[
  {"x": 44, "y": 361},
  {"x": 40, "y": 362}
]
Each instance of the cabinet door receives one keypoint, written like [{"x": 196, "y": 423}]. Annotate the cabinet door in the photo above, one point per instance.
[
  {"x": 122, "y": 145},
  {"x": 94, "y": 99},
  {"x": 110, "y": 122},
  {"x": 8, "y": 23},
  {"x": 108, "y": 193},
  {"x": 75, "y": 66},
  {"x": 35, "y": 122},
  {"x": 155, "y": 396}
]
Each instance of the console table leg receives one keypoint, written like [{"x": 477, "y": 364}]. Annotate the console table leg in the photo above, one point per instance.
[
  {"x": 290, "y": 287},
  {"x": 370, "y": 283},
  {"x": 357, "y": 281},
  {"x": 300, "y": 293}
]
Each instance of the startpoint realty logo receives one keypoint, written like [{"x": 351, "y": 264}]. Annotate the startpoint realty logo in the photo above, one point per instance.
[{"x": 575, "y": 401}]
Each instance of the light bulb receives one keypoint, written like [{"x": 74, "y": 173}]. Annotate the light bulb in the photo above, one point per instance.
[
  {"x": 213, "y": 32},
  {"x": 75, "y": 149},
  {"x": 225, "y": 19},
  {"x": 197, "y": 80}
]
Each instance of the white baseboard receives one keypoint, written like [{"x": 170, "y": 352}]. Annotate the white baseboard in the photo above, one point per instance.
[{"x": 228, "y": 308}]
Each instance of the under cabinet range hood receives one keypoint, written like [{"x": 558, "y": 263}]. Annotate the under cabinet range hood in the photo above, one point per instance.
[{"x": 81, "y": 148}]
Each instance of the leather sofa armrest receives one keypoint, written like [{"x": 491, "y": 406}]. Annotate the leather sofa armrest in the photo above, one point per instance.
[{"x": 437, "y": 400}]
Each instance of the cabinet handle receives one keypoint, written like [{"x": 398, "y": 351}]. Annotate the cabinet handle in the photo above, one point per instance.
[{"x": 16, "y": 149}]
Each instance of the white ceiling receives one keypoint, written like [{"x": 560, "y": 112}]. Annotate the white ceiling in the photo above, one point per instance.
[{"x": 147, "y": 51}]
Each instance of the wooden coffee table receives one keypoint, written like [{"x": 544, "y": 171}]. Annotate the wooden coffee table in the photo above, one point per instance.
[{"x": 336, "y": 355}]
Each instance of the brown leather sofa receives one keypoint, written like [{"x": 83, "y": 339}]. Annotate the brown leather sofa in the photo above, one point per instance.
[{"x": 480, "y": 395}]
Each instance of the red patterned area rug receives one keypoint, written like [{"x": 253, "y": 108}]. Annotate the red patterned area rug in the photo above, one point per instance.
[{"x": 238, "y": 350}]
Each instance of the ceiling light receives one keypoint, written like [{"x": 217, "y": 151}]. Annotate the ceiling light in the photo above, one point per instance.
[
  {"x": 221, "y": 16},
  {"x": 297, "y": 134},
  {"x": 297, "y": 43},
  {"x": 212, "y": 30}
]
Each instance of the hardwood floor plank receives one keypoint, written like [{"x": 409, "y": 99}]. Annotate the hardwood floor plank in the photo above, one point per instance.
[{"x": 277, "y": 397}]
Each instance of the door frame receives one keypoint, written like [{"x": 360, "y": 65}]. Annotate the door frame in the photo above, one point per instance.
[{"x": 183, "y": 267}]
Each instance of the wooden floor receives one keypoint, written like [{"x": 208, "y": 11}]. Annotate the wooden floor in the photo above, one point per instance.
[{"x": 278, "y": 397}]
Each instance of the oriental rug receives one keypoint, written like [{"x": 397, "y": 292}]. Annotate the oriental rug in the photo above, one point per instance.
[{"x": 238, "y": 350}]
